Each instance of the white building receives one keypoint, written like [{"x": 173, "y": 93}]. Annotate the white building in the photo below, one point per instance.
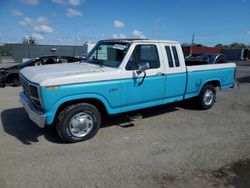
[{"x": 87, "y": 47}]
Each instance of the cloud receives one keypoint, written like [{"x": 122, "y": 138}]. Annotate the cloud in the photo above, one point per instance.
[
  {"x": 30, "y": 2},
  {"x": 118, "y": 36},
  {"x": 75, "y": 2},
  {"x": 118, "y": 24},
  {"x": 39, "y": 24},
  {"x": 43, "y": 29},
  {"x": 248, "y": 33},
  {"x": 138, "y": 34},
  {"x": 72, "y": 12},
  {"x": 69, "y": 2},
  {"x": 16, "y": 12},
  {"x": 37, "y": 36},
  {"x": 34, "y": 22}
]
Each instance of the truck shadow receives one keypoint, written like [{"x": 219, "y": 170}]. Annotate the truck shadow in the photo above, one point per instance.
[
  {"x": 245, "y": 79},
  {"x": 126, "y": 120},
  {"x": 17, "y": 124}
]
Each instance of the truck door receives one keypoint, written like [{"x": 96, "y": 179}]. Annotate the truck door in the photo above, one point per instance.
[
  {"x": 176, "y": 77},
  {"x": 150, "y": 91}
]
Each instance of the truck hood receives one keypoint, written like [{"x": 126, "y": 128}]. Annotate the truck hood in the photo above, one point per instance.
[{"x": 65, "y": 73}]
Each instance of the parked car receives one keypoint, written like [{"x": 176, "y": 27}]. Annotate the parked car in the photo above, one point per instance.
[
  {"x": 204, "y": 58},
  {"x": 117, "y": 76},
  {"x": 10, "y": 75}
]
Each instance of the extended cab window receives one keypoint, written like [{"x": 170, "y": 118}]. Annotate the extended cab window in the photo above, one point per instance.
[
  {"x": 176, "y": 58},
  {"x": 169, "y": 55},
  {"x": 173, "y": 60},
  {"x": 144, "y": 54}
]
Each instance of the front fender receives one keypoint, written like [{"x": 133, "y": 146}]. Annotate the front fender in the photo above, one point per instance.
[
  {"x": 50, "y": 115},
  {"x": 54, "y": 97}
]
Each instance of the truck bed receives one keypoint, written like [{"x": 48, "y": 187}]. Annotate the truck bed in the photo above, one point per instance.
[{"x": 198, "y": 75}]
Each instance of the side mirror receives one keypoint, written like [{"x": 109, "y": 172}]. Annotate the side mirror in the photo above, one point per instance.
[{"x": 143, "y": 67}]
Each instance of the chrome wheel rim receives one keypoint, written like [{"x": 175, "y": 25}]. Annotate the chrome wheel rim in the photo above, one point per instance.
[
  {"x": 81, "y": 124},
  {"x": 208, "y": 97}
]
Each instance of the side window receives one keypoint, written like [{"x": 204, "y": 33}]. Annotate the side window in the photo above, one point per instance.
[
  {"x": 169, "y": 55},
  {"x": 144, "y": 54},
  {"x": 176, "y": 58}
]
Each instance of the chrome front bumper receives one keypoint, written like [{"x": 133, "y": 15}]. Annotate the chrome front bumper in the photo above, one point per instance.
[{"x": 34, "y": 114}]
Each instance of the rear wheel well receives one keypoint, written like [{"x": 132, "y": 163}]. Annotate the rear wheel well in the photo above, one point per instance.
[
  {"x": 214, "y": 83},
  {"x": 95, "y": 102}
]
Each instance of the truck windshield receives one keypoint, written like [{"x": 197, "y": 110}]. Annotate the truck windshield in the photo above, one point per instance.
[{"x": 108, "y": 54}]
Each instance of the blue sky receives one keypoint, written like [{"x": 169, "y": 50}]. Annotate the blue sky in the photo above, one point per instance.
[{"x": 77, "y": 21}]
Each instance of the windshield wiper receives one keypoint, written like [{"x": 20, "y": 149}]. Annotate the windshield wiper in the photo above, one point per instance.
[{"x": 95, "y": 62}]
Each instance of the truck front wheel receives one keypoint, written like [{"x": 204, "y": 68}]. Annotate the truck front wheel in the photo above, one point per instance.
[
  {"x": 207, "y": 97},
  {"x": 78, "y": 122}
]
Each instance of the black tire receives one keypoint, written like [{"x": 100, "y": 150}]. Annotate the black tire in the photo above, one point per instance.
[
  {"x": 15, "y": 82},
  {"x": 64, "y": 125},
  {"x": 207, "y": 97}
]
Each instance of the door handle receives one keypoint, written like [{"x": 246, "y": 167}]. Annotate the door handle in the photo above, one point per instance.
[{"x": 160, "y": 74}]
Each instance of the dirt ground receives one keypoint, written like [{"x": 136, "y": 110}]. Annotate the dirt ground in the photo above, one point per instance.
[{"x": 171, "y": 146}]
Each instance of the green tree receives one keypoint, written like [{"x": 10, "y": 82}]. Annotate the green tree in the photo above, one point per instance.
[
  {"x": 199, "y": 45},
  {"x": 237, "y": 45},
  {"x": 220, "y": 46},
  {"x": 30, "y": 40}
]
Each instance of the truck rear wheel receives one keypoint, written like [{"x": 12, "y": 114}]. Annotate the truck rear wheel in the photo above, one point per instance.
[
  {"x": 78, "y": 122},
  {"x": 207, "y": 97}
]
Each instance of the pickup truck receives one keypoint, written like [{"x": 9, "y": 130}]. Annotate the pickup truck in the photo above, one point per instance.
[{"x": 118, "y": 75}]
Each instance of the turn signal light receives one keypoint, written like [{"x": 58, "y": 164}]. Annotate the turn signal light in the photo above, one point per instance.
[{"x": 52, "y": 87}]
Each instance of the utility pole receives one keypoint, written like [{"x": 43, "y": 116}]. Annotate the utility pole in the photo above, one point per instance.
[
  {"x": 193, "y": 39},
  {"x": 192, "y": 44}
]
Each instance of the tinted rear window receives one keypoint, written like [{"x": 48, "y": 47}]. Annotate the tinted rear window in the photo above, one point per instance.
[
  {"x": 169, "y": 55},
  {"x": 176, "y": 58}
]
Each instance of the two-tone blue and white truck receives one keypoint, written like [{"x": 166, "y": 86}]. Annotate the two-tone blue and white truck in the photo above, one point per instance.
[{"x": 118, "y": 75}]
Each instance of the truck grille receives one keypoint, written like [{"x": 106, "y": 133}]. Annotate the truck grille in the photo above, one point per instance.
[{"x": 31, "y": 91}]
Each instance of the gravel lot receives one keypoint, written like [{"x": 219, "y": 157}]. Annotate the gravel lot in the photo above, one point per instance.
[{"x": 171, "y": 146}]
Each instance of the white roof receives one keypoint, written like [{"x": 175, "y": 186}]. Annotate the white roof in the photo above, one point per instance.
[{"x": 140, "y": 41}]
